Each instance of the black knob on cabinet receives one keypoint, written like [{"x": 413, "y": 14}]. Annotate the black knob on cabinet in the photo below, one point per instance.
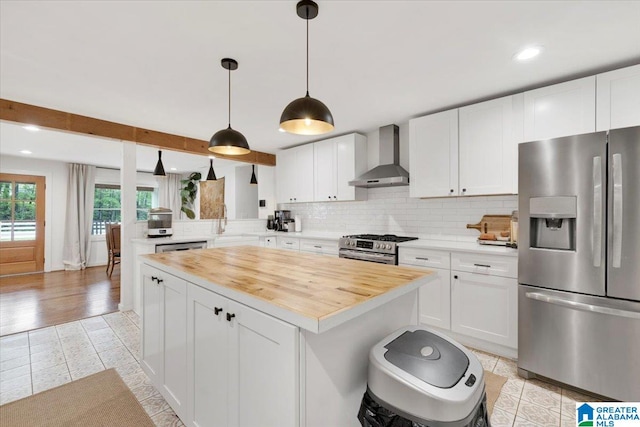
[
  {"x": 329, "y": 197},
  {"x": 159, "y": 281},
  {"x": 464, "y": 190},
  {"x": 451, "y": 191},
  {"x": 455, "y": 277},
  {"x": 217, "y": 310},
  {"x": 230, "y": 316},
  {"x": 154, "y": 278}
]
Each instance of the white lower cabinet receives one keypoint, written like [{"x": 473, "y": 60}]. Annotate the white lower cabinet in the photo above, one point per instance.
[
  {"x": 164, "y": 332},
  {"x": 474, "y": 297},
  {"x": 291, "y": 243},
  {"x": 320, "y": 247},
  {"x": 485, "y": 307},
  {"x": 215, "y": 361}
]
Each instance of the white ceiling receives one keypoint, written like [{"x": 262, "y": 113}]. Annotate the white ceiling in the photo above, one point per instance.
[{"x": 156, "y": 64}]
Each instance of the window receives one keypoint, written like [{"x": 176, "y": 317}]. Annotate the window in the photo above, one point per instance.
[
  {"x": 106, "y": 205},
  {"x": 17, "y": 211}
]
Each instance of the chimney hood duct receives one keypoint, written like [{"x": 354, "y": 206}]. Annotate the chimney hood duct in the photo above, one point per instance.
[{"x": 389, "y": 173}]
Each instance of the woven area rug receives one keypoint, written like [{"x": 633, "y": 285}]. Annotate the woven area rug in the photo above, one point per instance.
[
  {"x": 101, "y": 399},
  {"x": 493, "y": 384}
]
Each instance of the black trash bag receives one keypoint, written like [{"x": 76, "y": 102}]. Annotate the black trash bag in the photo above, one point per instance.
[{"x": 372, "y": 414}]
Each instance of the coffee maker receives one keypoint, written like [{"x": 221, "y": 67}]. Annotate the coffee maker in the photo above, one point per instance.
[{"x": 283, "y": 221}]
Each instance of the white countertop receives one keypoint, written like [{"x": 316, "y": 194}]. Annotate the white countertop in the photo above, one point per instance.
[
  {"x": 452, "y": 246},
  {"x": 443, "y": 245}
]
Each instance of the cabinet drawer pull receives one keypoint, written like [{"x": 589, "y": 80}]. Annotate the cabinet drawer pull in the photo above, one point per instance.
[
  {"x": 482, "y": 265},
  {"x": 422, "y": 258},
  {"x": 317, "y": 246},
  {"x": 217, "y": 310},
  {"x": 288, "y": 243},
  {"x": 159, "y": 281},
  {"x": 154, "y": 278},
  {"x": 230, "y": 316}
]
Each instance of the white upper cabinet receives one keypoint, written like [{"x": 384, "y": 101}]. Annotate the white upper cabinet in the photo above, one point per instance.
[
  {"x": 433, "y": 150},
  {"x": 336, "y": 162},
  {"x": 560, "y": 110},
  {"x": 488, "y": 146},
  {"x": 294, "y": 175},
  {"x": 618, "y": 98}
]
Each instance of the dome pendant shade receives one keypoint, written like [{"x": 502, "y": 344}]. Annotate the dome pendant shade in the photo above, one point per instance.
[
  {"x": 306, "y": 116},
  {"x": 254, "y": 180},
  {"x": 159, "y": 170},
  {"x": 229, "y": 142},
  {"x": 211, "y": 176}
]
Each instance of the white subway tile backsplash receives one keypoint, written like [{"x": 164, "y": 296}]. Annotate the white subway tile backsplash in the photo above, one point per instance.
[{"x": 391, "y": 210}]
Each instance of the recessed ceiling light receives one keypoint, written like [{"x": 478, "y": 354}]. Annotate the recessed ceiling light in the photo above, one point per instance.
[
  {"x": 31, "y": 128},
  {"x": 173, "y": 169},
  {"x": 528, "y": 53},
  {"x": 25, "y": 152}
]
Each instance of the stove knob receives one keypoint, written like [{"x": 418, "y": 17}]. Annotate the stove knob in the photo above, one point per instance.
[
  {"x": 378, "y": 246},
  {"x": 388, "y": 246},
  {"x": 353, "y": 243}
]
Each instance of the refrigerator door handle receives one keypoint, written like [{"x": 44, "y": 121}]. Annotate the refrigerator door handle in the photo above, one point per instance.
[
  {"x": 616, "y": 171},
  {"x": 596, "y": 236},
  {"x": 539, "y": 296}
]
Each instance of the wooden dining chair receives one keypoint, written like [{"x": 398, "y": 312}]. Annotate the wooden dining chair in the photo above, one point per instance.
[{"x": 113, "y": 247}]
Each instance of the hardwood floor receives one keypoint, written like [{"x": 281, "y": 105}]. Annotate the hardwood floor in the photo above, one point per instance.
[{"x": 44, "y": 299}]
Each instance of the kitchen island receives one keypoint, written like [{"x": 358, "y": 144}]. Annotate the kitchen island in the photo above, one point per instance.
[{"x": 246, "y": 336}]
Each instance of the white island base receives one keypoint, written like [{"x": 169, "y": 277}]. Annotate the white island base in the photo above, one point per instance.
[{"x": 333, "y": 364}]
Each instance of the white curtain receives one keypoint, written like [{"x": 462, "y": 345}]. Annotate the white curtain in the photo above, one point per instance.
[
  {"x": 77, "y": 233},
  {"x": 169, "y": 193}
]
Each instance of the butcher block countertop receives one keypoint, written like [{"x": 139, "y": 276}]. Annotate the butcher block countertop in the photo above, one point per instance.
[{"x": 314, "y": 292}]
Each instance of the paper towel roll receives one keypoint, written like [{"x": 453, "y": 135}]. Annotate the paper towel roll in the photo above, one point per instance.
[{"x": 298, "y": 223}]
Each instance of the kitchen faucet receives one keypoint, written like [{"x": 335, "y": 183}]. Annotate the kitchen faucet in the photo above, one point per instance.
[{"x": 221, "y": 228}]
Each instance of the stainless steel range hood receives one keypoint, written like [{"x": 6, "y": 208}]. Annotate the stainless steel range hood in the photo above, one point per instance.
[{"x": 389, "y": 173}]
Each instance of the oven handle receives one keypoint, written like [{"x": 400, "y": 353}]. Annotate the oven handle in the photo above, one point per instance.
[{"x": 365, "y": 260}]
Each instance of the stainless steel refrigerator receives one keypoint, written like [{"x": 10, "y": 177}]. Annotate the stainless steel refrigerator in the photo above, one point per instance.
[{"x": 579, "y": 261}]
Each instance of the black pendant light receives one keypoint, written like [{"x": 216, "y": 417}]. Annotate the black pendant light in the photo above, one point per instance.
[
  {"x": 159, "y": 170},
  {"x": 211, "y": 176},
  {"x": 254, "y": 180},
  {"x": 306, "y": 115},
  {"x": 228, "y": 141}
]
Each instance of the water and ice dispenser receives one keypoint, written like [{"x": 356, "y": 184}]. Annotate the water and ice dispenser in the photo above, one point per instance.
[{"x": 553, "y": 222}]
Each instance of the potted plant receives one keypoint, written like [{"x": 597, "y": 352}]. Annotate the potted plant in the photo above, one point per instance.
[{"x": 188, "y": 193}]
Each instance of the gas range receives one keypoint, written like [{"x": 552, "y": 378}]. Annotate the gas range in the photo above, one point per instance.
[{"x": 380, "y": 248}]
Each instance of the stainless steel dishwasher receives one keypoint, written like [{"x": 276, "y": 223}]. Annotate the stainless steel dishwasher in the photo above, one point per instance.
[{"x": 183, "y": 246}]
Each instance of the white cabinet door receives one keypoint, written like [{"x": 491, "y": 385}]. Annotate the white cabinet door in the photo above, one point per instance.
[
  {"x": 174, "y": 342},
  {"x": 164, "y": 332},
  {"x": 434, "y": 307},
  {"x": 285, "y": 176},
  {"x": 320, "y": 247},
  {"x": 270, "y": 242},
  {"x": 618, "y": 98},
  {"x": 487, "y": 147},
  {"x": 559, "y": 110},
  {"x": 152, "y": 358},
  {"x": 207, "y": 370},
  {"x": 433, "y": 149},
  {"x": 324, "y": 171},
  {"x": 485, "y": 307},
  {"x": 351, "y": 162},
  {"x": 263, "y": 358},
  {"x": 303, "y": 175},
  {"x": 291, "y": 243}
]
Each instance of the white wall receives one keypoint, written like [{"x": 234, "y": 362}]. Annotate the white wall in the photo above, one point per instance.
[
  {"x": 266, "y": 190},
  {"x": 246, "y": 194},
  {"x": 56, "y": 175}
]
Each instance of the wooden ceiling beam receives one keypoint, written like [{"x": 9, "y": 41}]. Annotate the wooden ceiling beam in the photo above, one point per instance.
[{"x": 60, "y": 120}]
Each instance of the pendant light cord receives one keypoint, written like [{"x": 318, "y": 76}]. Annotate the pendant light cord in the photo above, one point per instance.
[
  {"x": 229, "y": 96},
  {"x": 307, "y": 50}
]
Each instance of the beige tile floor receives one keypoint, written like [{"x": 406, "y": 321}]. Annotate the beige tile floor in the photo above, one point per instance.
[{"x": 35, "y": 361}]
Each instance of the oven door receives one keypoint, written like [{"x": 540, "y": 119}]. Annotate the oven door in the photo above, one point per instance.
[{"x": 368, "y": 256}]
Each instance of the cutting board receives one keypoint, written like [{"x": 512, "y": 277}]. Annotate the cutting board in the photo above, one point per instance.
[{"x": 492, "y": 224}]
